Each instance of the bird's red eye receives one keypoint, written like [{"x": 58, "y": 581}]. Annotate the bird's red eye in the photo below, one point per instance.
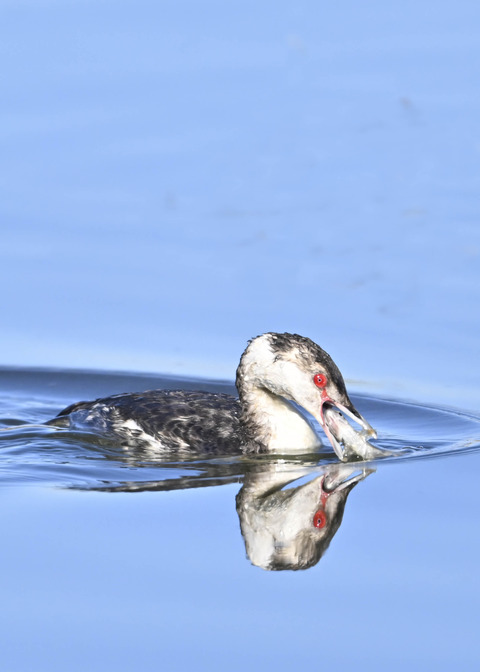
[
  {"x": 319, "y": 519},
  {"x": 320, "y": 379}
]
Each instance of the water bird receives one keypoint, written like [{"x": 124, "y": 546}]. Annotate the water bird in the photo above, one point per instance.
[{"x": 285, "y": 384}]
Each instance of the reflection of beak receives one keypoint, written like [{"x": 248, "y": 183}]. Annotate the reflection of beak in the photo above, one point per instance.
[
  {"x": 343, "y": 437},
  {"x": 343, "y": 477}
]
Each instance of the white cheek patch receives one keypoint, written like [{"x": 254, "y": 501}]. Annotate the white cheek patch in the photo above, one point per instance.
[{"x": 296, "y": 383}]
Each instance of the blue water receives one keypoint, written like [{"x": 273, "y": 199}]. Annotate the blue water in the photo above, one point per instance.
[{"x": 176, "y": 178}]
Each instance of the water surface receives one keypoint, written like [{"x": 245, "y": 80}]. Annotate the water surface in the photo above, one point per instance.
[
  {"x": 34, "y": 452},
  {"x": 130, "y": 549}
]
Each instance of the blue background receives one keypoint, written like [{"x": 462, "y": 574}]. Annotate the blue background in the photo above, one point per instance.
[{"x": 177, "y": 177}]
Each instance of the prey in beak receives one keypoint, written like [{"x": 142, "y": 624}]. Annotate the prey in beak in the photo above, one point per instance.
[{"x": 348, "y": 441}]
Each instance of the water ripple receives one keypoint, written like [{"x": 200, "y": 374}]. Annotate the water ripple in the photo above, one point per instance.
[{"x": 31, "y": 452}]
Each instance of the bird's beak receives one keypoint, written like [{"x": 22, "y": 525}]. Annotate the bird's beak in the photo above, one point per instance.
[{"x": 345, "y": 439}]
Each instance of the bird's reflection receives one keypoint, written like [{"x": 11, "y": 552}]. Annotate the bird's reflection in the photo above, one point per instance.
[
  {"x": 288, "y": 526},
  {"x": 289, "y": 509}
]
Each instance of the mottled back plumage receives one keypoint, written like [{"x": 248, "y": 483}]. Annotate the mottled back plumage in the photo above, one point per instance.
[{"x": 177, "y": 419}]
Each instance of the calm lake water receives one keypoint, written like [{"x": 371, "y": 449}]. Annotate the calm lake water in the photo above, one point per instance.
[
  {"x": 142, "y": 560},
  {"x": 176, "y": 178}
]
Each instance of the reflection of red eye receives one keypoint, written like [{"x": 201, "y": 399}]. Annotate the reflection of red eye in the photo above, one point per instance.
[
  {"x": 320, "y": 379},
  {"x": 319, "y": 519}
]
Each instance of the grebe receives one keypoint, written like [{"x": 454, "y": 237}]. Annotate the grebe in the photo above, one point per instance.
[{"x": 274, "y": 370}]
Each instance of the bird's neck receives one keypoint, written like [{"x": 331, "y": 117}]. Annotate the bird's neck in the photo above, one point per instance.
[{"x": 273, "y": 423}]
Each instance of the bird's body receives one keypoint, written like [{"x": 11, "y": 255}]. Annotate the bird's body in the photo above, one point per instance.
[
  {"x": 175, "y": 420},
  {"x": 283, "y": 380}
]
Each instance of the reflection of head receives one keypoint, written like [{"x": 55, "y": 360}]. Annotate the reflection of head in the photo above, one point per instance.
[{"x": 292, "y": 528}]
